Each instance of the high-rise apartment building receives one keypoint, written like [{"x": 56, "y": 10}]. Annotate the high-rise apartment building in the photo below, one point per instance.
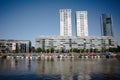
[
  {"x": 82, "y": 41},
  {"x": 106, "y": 24},
  {"x": 65, "y": 22},
  {"x": 81, "y": 23}
]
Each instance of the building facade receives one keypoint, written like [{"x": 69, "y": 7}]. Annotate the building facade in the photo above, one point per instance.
[
  {"x": 81, "y": 23},
  {"x": 8, "y": 46},
  {"x": 88, "y": 42},
  {"x": 81, "y": 41},
  {"x": 65, "y": 22},
  {"x": 106, "y": 24}
]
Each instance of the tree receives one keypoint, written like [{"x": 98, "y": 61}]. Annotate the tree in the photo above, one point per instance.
[
  {"x": 75, "y": 49},
  {"x": 47, "y": 50},
  {"x": 91, "y": 50},
  {"x": 114, "y": 49},
  {"x": 87, "y": 50},
  {"x": 52, "y": 50},
  {"x": 82, "y": 50},
  {"x": 95, "y": 50},
  {"x": 118, "y": 48},
  {"x": 78, "y": 51},
  {"x": 38, "y": 50},
  {"x": 43, "y": 50},
  {"x": 17, "y": 50},
  {"x": 62, "y": 50},
  {"x": 71, "y": 50},
  {"x": 33, "y": 49}
]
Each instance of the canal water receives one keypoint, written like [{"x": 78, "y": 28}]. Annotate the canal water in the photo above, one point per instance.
[{"x": 60, "y": 69}]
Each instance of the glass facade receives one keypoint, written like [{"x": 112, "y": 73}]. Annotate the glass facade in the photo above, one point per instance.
[{"x": 106, "y": 21}]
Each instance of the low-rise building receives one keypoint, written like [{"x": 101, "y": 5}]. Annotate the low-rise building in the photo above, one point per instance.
[
  {"x": 86, "y": 42},
  {"x": 15, "y": 46}
]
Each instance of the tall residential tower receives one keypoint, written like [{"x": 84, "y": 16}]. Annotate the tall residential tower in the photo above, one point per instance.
[
  {"x": 106, "y": 24},
  {"x": 81, "y": 23},
  {"x": 65, "y": 22}
]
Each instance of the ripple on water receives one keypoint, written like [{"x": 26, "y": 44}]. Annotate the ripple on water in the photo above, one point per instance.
[
  {"x": 104, "y": 76},
  {"x": 80, "y": 69}
]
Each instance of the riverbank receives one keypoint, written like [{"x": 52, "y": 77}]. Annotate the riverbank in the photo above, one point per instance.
[{"x": 56, "y": 55}]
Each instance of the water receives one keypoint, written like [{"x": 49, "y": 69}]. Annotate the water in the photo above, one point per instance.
[{"x": 60, "y": 69}]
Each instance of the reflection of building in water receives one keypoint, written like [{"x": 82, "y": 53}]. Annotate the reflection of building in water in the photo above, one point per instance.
[
  {"x": 46, "y": 67},
  {"x": 80, "y": 69},
  {"x": 12, "y": 61},
  {"x": 62, "y": 68},
  {"x": 66, "y": 70},
  {"x": 28, "y": 64},
  {"x": 76, "y": 69}
]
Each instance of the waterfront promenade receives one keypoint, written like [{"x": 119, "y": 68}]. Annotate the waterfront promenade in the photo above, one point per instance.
[{"x": 49, "y": 56}]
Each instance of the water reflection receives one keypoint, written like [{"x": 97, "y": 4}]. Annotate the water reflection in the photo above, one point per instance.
[{"x": 61, "y": 69}]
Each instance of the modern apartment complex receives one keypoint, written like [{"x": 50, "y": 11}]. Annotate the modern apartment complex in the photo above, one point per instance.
[
  {"x": 81, "y": 23},
  {"x": 81, "y": 40},
  {"x": 15, "y": 46},
  {"x": 65, "y": 22},
  {"x": 106, "y": 24},
  {"x": 85, "y": 42}
]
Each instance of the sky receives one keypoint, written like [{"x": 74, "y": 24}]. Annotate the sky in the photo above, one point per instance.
[{"x": 28, "y": 19}]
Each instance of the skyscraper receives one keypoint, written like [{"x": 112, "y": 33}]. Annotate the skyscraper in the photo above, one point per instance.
[
  {"x": 81, "y": 23},
  {"x": 65, "y": 22},
  {"x": 106, "y": 23}
]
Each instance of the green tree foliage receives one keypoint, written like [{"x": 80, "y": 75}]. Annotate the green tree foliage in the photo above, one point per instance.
[
  {"x": 115, "y": 49},
  {"x": 52, "y": 50},
  {"x": 75, "y": 49},
  {"x": 38, "y": 50},
  {"x": 43, "y": 50},
  {"x": 118, "y": 48},
  {"x": 95, "y": 50},
  {"x": 71, "y": 50},
  {"x": 17, "y": 50},
  {"x": 62, "y": 50},
  {"x": 33, "y": 49},
  {"x": 47, "y": 50}
]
